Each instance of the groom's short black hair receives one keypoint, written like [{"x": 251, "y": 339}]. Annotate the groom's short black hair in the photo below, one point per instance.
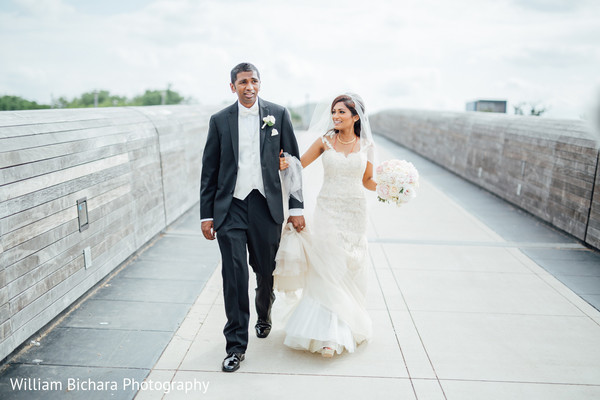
[{"x": 243, "y": 67}]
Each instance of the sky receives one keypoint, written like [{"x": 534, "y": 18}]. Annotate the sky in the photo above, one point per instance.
[{"x": 416, "y": 54}]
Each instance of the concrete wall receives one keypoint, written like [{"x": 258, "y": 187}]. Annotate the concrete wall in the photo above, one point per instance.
[
  {"x": 593, "y": 229},
  {"x": 548, "y": 167},
  {"x": 139, "y": 169}
]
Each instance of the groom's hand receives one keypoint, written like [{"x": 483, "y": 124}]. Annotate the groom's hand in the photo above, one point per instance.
[
  {"x": 207, "y": 230},
  {"x": 298, "y": 222}
]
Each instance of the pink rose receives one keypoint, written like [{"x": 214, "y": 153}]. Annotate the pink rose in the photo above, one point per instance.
[{"x": 383, "y": 191}]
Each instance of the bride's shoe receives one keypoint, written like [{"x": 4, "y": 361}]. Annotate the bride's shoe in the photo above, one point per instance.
[{"x": 327, "y": 352}]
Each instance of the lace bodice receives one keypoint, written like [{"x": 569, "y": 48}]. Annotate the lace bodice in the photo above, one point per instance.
[
  {"x": 342, "y": 174},
  {"x": 341, "y": 211}
]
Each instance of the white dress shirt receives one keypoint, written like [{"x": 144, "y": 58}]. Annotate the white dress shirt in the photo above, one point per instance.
[{"x": 249, "y": 175}]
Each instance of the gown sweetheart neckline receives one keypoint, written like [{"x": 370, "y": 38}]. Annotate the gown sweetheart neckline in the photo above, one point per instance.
[{"x": 342, "y": 153}]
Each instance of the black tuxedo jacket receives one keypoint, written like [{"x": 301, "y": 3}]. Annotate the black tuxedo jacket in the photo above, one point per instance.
[{"x": 220, "y": 161}]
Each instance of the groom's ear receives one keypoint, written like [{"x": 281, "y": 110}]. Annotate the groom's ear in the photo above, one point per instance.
[{"x": 232, "y": 86}]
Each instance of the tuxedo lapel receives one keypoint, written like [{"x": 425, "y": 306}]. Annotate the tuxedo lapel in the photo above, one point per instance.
[
  {"x": 234, "y": 129},
  {"x": 264, "y": 111}
]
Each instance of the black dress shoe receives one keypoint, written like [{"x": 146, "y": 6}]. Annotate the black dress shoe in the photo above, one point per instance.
[
  {"x": 231, "y": 363},
  {"x": 262, "y": 329}
]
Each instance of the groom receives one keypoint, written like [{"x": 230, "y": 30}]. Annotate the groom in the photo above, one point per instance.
[{"x": 241, "y": 202}]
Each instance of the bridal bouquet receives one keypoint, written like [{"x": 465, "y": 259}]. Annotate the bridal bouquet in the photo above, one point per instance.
[{"x": 397, "y": 181}]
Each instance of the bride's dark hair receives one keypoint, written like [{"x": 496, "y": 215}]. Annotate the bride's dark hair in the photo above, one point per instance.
[{"x": 349, "y": 102}]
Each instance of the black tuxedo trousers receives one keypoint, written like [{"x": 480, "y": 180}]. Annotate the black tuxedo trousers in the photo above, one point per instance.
[{"x": 248, "y": 225}]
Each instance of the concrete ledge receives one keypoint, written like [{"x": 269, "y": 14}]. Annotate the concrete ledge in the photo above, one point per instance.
[
  {"x": 548, "y": 167},
  {"x": 138, "y": 168}
]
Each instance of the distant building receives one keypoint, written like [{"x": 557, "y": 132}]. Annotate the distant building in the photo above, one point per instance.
[{"x": 497, "y": 106}]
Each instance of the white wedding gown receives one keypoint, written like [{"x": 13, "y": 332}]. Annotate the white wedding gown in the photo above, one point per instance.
[{"x": 331, "y": 311}]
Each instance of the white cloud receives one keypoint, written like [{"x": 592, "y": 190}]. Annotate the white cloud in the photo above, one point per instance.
[
  {"x": 45, "y": 9},
  {"x": 418, "y": 54},
  {"x": 554, "y": 6}
]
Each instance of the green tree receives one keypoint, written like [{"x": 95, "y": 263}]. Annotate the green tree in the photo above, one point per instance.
[
  {"x": 8, "y": 103},
  {"x": 535, "y": 109},
  {"x": 61, "y": 102},
  {"x": 158, "y": 97},
  {"x": 103, "y": 98}
]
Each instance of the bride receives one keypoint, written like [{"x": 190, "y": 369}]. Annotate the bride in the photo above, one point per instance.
[{"x": 331, "y": 315}]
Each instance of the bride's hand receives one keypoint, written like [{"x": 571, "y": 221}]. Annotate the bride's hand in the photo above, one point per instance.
[{"x": 283, "y": 164}]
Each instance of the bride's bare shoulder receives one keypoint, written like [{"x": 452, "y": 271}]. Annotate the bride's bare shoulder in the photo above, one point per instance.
[
  {"x": 314, "y": 151},
  {"x": 326, "y": 141},
  {"x": 319, "y": 144}
]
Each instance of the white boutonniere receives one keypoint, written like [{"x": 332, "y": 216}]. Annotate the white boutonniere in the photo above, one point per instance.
[
  {"x": 268, "y": 120},
  {"x": 274, "y": 132}
]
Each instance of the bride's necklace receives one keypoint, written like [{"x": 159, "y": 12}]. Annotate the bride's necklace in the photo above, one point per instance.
[
  {"x": 352, "y": 141},
  {"x": 348, "y": 142}
]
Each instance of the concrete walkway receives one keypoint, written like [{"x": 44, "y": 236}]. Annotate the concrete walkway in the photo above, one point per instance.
[
  {"x": 459, "y": 311},
  {"x": 465, "y": 295}
]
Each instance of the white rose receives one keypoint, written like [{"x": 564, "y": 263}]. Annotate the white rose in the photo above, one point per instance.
[{"x": 268, "y": 120}]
